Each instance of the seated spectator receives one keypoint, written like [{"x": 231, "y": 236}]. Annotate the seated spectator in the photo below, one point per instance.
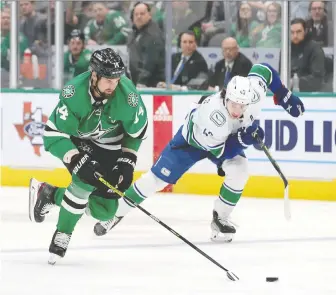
[
  {"x": 317, "y": 24},
  {"x": 69, "y": 24},
  {"x": 77, "y": 58},
  {"x": 84, "y": 16},
  {"x": 307, "y": 58},
  {"x": 234, "y": 63},
  {"x": 108, "y": 27},
  {"x": 146, "y": 48},
  {"x": 216, "y": 27},
  {"x": 189, "y": 67},
  {"x": 183, "y": 18},
  {"x": 268, "y": 35},
  {"x": 5, "y": 40},
  {"x": 244, "y": 25},
  {"x": 157, "y": 11},
  {"x": 215, "y": 24},
  {"x": 33, "y": 26}
]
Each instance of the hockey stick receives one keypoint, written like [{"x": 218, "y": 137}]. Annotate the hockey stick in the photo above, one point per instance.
[
  {"x": 283, "y": 177},
  {"x": 229, "y": 274}
]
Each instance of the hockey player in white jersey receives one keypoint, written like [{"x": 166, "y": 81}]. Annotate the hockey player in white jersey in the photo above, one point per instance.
[{"x": 219, "y": 129}]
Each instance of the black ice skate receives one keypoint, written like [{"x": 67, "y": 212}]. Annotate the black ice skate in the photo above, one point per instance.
[
  {"x": 41, "y": 200},
  {"x": 103, "y": 227},
  {"x": 58, "y": 246},
  {"x": 222, "y": 229}
]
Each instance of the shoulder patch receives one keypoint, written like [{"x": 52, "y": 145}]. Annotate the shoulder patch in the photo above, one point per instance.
[
  {"x": 133, "y": 99},
  {"x": 68, "y": 91}
]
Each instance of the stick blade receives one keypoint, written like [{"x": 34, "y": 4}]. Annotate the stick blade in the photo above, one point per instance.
[
  {"x": 287, "y": 210},
  {"x": 232, "y": 276}
]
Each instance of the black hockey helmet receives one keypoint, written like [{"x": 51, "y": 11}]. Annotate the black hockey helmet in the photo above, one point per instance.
[
  {"x": 107, "y": 63},
  {"x": 76, "y": 34}
]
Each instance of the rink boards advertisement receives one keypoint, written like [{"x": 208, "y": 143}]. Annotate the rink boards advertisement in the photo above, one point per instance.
[{"x": 305, "y": 147}]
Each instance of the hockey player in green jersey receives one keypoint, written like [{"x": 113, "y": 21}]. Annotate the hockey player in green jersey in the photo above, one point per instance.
[
  {"x": 95, "y": 129},
  {"x": 77, "y": 58}
]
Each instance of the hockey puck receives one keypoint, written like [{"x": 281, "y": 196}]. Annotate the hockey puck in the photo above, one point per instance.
[{"x": 272, "y": 279}]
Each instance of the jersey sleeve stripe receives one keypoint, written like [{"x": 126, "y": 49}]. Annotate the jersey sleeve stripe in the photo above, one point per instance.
[{"x": 136, "y": 134}]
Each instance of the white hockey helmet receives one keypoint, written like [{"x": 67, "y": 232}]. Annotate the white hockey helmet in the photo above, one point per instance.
[{"x": 239, "y": 90}]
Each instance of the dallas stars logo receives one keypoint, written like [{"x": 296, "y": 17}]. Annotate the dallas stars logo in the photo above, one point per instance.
[
  {"x": 98, "y": 132},
  {"x": 133, "y": 99}
]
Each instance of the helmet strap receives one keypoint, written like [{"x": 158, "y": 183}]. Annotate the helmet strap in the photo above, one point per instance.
[{"x": 96, "y": 89}]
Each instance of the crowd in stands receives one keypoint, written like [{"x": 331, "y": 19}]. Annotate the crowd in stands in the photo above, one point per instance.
[{"x": 140, "y": 26}]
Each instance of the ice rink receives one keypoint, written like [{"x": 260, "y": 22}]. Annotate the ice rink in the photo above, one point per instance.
[{"x": 139, "y": 257}]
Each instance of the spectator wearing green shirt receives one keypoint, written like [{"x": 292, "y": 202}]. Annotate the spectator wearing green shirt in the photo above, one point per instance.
[
  {"x": 77, "y": 58},
  {"x": 5, "y": 40},
  {"x": 109, "y": 26},
  {"x": 268, "y": 35},
  {"x": 242, "y": 28}
]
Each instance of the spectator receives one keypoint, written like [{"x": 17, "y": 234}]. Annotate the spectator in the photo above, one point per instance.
[
  {"x": 268, "y": 35},
  {"x": 158, "y": 15},
  {"x": 108, "y": 27},
  {"x": 244, "y": 25},
  {"x": 146, "y": 48},
  {"x": 307, "y": 58},
  {"x": 33, "y": 26},
  {"x": 217, "y": 26},
  {"x": 5, "y": 40},
  {"x": 81, "y": 19},
  {"x": 260, "y": 8},
  {"x": 77, "y": 58},
  {"x": 234, "y": 63},
  {"x": 317, "y": 24},
  {"x": 189, "y": 67},
  {"x": 68, "y": 23},
  {"x": 183, "y": 18}
]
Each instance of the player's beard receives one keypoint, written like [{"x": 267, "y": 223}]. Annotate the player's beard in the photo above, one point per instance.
[{"x": 102, "y": 95}]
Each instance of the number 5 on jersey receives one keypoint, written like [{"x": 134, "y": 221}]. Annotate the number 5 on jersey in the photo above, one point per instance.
[{"x": 63, "y": 111}]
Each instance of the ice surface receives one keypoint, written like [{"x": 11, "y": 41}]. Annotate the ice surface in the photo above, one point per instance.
[{"x": 139, "y": 257}]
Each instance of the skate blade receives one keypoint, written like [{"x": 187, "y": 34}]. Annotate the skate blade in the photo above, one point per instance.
[
  {"x": 219, "y": 237},
  {"x": 53, "y": 258},
  {"x": 33, "y": 190}
]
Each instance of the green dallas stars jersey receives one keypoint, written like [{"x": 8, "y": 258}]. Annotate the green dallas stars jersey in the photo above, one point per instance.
[
  {"x": 71, "y": 68},
  {"x": 117, "y": 122},
  {"x": 112, "y": 32}
]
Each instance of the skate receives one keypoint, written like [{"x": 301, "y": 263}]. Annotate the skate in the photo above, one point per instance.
[
  {"x": 222, "y": 229},
  {"x": 41, "y": 200},
  {"x": 103, "y": 227},
  {"x": 58, "y": 246}
]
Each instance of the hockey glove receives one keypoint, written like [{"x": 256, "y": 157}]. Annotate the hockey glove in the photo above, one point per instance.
[
  {"x": 85, "y": 167},
  {"x": 290, "y": 102},
  {"x": 248, "y": 136},
  {"x": 122, "y": 173}
]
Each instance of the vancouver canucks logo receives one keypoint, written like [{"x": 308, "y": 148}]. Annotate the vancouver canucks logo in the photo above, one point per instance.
[
  {"x": 133, "y": 99},
  {"x": 98, "y": 132}
]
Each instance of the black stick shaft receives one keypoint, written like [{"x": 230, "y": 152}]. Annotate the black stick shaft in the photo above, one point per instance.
[
  {"x": 273, "y": 162},
  {"x": 101, "y": 179}
]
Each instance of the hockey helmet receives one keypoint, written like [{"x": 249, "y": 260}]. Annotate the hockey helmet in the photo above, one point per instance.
[
  {"x": 107, "y": 63},
  {"x": 76, "y": 34},
  {"x": 239, "y": 90}
]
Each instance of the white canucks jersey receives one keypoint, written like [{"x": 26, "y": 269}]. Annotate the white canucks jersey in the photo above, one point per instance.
[{"x": 209, "y": 125}]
